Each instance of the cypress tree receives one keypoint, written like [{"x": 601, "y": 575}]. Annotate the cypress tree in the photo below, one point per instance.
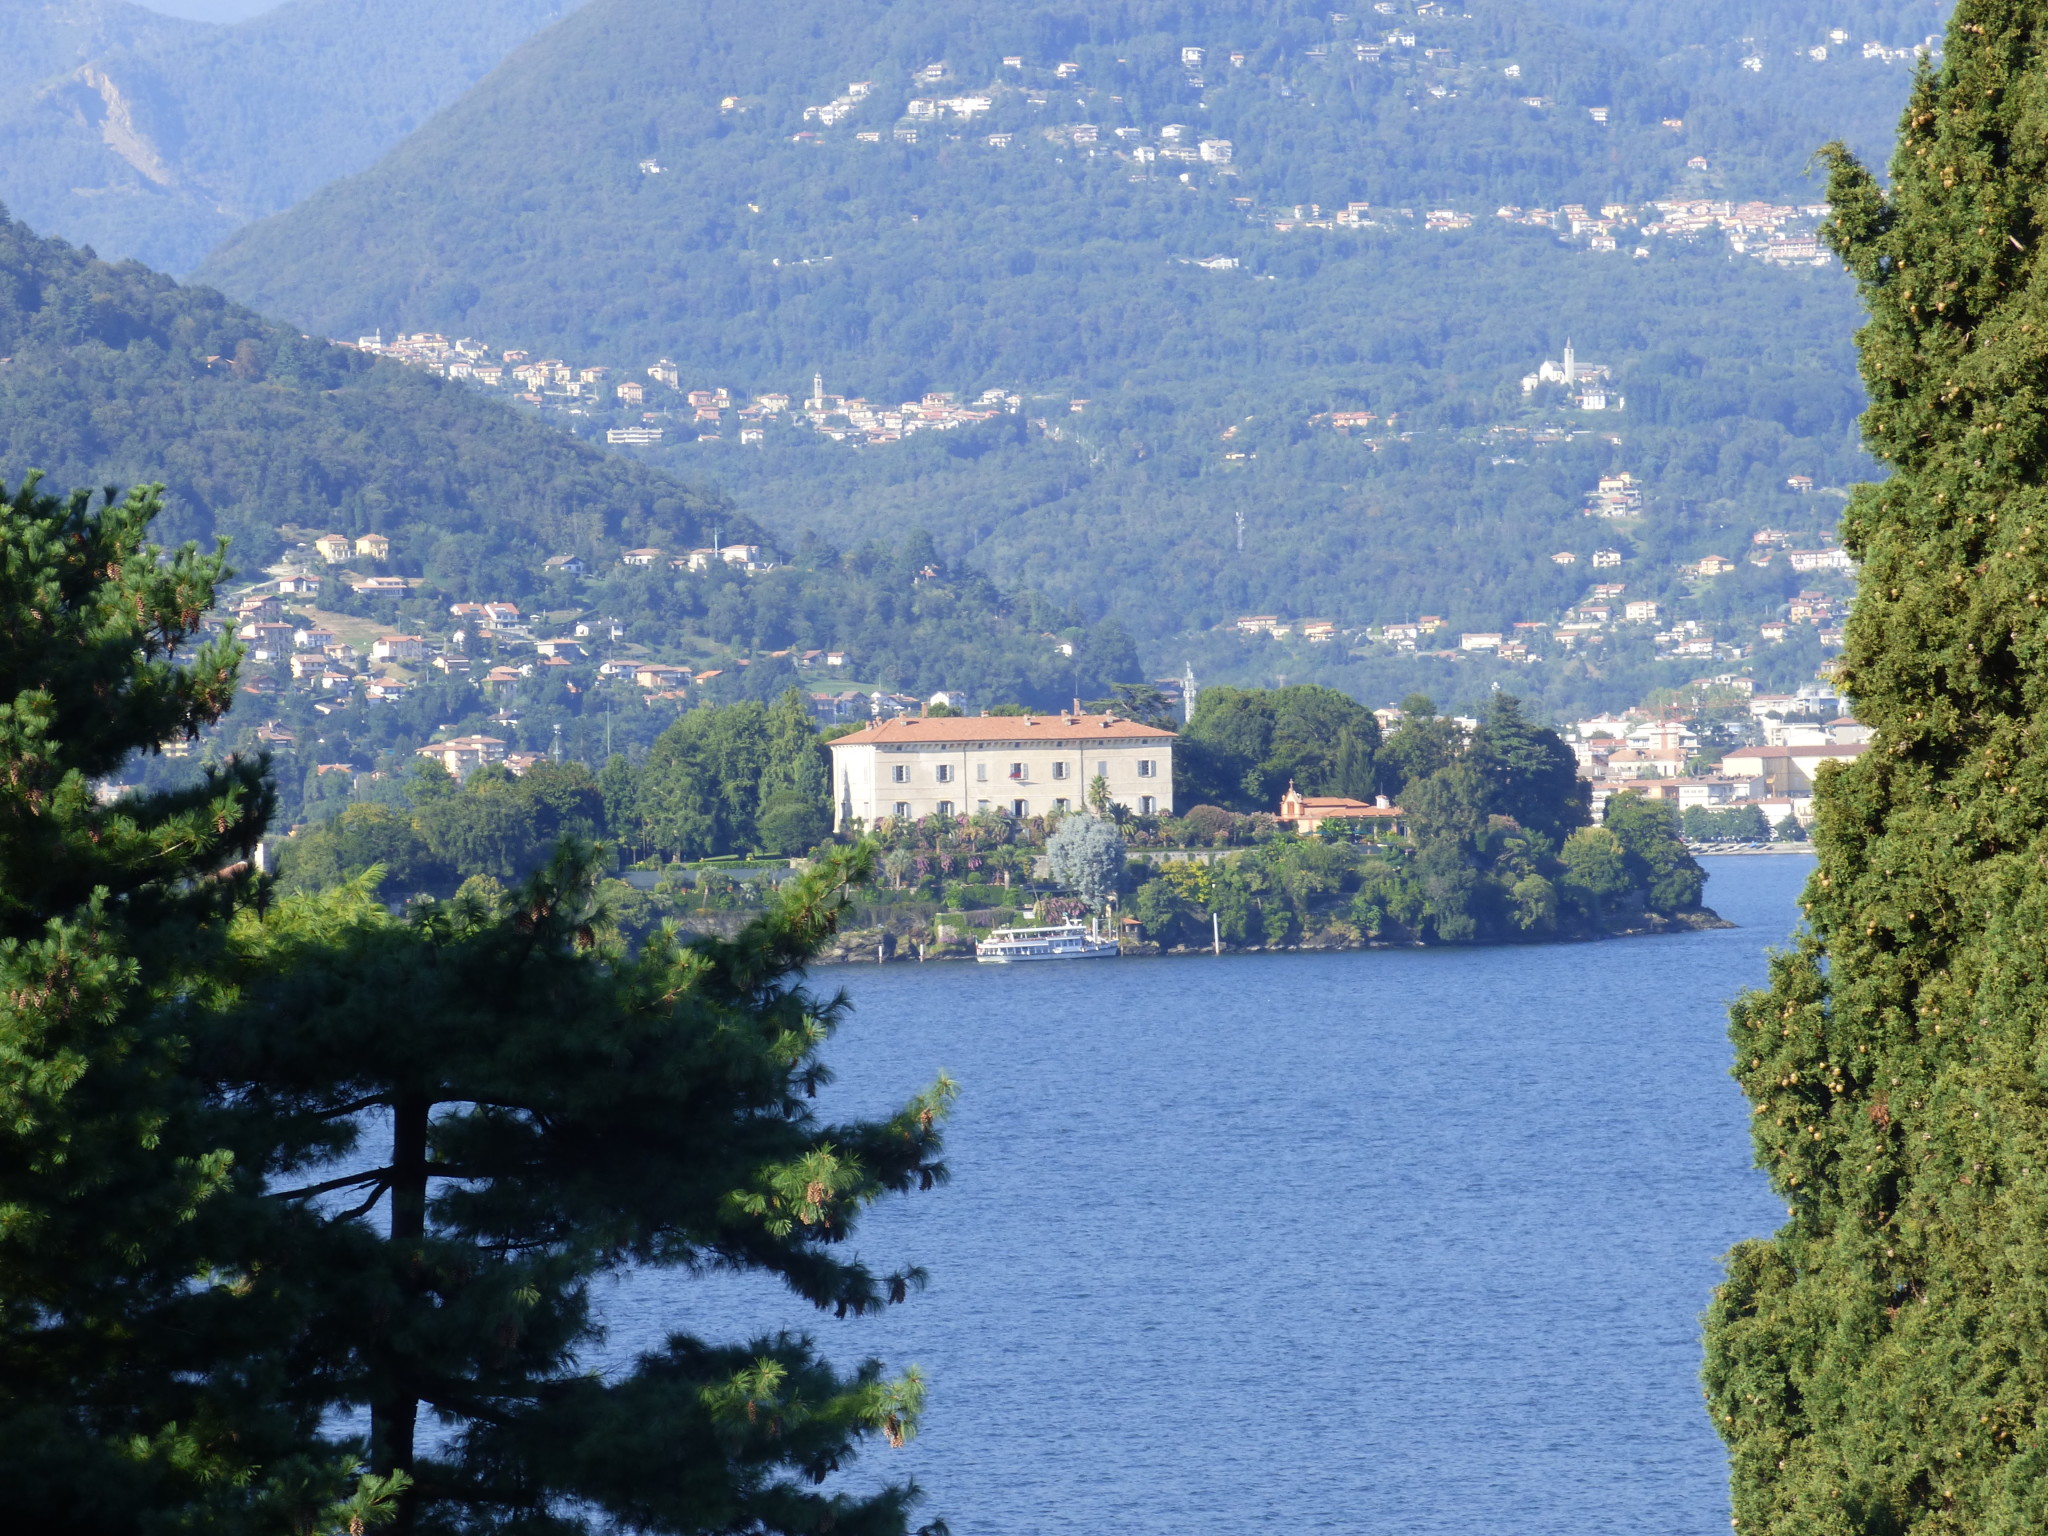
[{"x": 1879, "y": 1364}]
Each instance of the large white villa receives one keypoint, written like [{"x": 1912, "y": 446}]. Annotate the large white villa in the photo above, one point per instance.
[{"x": 1021, "y": 765}]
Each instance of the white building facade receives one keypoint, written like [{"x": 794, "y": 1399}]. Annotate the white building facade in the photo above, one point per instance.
[{"x": 1022, "y": 765}]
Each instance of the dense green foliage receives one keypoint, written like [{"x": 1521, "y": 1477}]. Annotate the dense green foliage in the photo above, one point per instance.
[
  {"x": 1244, "y": 746},
  {"x": 271, "y": 1164},
  {"x": 559, "y": 1108},
  {"x": 1728, "y": 824},
  {"x": 1493, "y": 847},
  {"x": 1875, "y": 1366},
  {"x": 153, "y": 138},
  {"x": 129, "y": 1395}
]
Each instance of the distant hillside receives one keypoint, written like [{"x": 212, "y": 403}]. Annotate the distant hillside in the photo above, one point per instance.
[
  {"x": 1774, "y": 28},
  {"x": 150, "y": 137},
  {"x": 524, "y": 209},
  {"x": 1256, "y": 287},
  {"x": 112, "y": 374}
]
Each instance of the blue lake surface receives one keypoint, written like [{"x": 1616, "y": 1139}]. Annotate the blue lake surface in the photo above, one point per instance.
[{"x": 1403, "y": 1241}]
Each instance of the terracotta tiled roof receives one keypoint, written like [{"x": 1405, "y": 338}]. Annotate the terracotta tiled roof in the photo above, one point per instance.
[{"x": 1030, "y": 730}]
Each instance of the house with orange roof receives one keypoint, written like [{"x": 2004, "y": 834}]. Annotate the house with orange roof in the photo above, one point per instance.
[{"x": 1305, "y": 813}]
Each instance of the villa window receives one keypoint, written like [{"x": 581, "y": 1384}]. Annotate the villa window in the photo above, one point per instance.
[
  {"x": 1147, "y": 768},
  {"x": 1061, "y": 805},
  {"x": 1147, "y": 806},
  {"x": 943, "y": 773},
  {"x": 981, "y": 773},
  {"x": 899, "y": 773},
  {"x": 903, "y": 810},
  {"x": 945, "y": 807},
  {"x": 1017, "y": 772},
  {"x": 1102, "y": 770},
  {"x": 1020, "y": 808},
  {"x": 1059, "y": 770}
]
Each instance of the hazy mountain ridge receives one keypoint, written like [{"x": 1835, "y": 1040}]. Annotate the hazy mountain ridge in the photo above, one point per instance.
[
  {"x": 150, "y": 137},
  {"x": 41, "y": 38},
  {"x": 463, "y": 225}
]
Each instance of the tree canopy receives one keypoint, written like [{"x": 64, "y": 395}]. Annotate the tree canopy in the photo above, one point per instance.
[
  {"x": 284, "y": 1171},
  {"x": 1874, "y": 1365},
  {"x": 1245, "y": 745}
]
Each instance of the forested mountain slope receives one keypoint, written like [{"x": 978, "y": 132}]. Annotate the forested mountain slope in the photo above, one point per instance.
[
  {"x": 112, "y": 374},
  {"x": 150, "y": 137},
  {"x": 525, "y": 208},
  {"x": 916, "y": 197}
]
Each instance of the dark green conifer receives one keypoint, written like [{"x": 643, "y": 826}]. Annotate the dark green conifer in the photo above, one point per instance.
[
  {"x": 140, "y": 1380},
  {"x": 267, "y": 1162},
  {"x": 1878, "y": 1365},
  {"x": 481, "y": 1109}
]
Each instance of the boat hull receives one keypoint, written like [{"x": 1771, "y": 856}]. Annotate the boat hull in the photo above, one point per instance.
[{"x": 1020, "y": 957}]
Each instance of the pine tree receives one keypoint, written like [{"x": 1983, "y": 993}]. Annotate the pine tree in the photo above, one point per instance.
[
  {"x": 265, "y": 1161},
  {"x": 528, "y": 1105},
  {"x": 1877, "y": 1365},
  {"x": 144, "y": 1382}
]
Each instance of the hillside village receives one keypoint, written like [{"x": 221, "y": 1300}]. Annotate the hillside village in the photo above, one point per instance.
[
  {"x": 1718, "y": 745},
  {"x": 1609, "y": 612},
  {"x": 299, "y": 648},
  {"x": 1780, "y": 233},
  {"x": 678, "y": 411},
  {"x": 656, "y": 405}
]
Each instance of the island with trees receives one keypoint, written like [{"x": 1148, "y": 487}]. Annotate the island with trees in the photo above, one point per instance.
[{"x": 1493, "y": 843}]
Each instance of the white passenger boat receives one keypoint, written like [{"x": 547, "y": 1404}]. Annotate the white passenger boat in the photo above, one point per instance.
[{"x": 1067, "y": 941}]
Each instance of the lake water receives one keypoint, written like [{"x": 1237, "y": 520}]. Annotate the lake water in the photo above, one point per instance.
[{"x": 1403, "y": 1241}]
